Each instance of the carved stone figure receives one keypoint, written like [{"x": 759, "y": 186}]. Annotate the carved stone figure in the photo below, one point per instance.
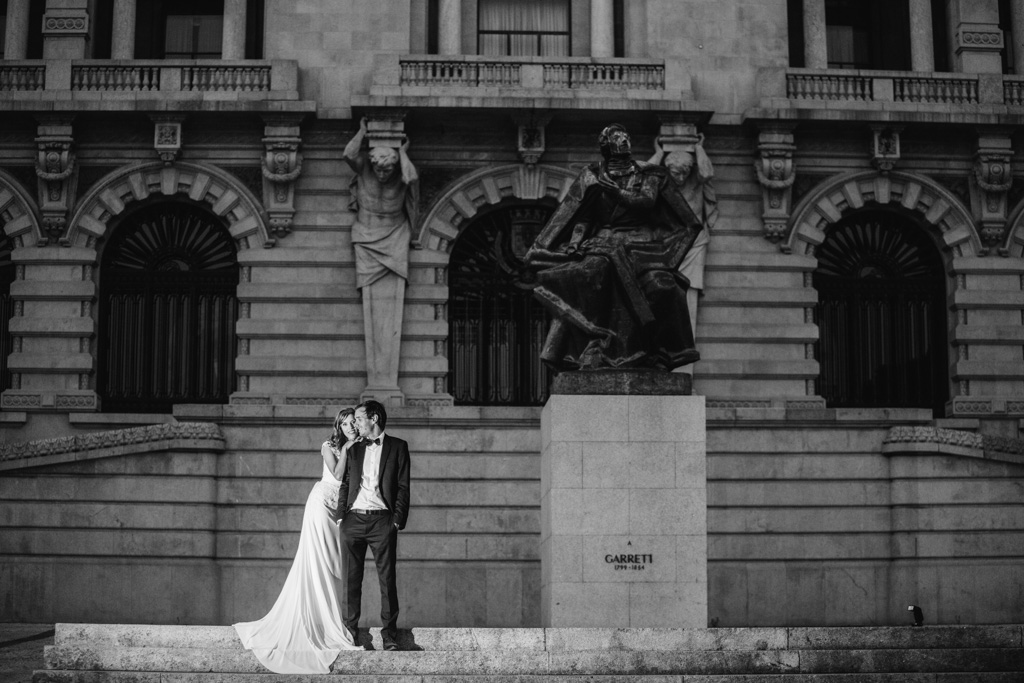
[
  {"x": 385, "y": 192},
  {"x": 691, "y": 170},
  {"x": 608, "y": 266}
]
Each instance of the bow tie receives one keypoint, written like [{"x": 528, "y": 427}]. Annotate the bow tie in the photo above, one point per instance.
[{"x": 375, "y": 442}]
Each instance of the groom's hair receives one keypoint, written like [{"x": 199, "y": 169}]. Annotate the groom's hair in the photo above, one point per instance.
[{"x": 373, "y": 408}]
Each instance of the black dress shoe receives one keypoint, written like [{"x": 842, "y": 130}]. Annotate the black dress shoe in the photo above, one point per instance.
[{"x": 388, "y": 641}]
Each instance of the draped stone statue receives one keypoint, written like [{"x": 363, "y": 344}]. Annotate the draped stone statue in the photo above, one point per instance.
[
  {"x": 608, "y": 266},
  {"x": 691, "y": 170},
  {"x": 385, "y": 193}
]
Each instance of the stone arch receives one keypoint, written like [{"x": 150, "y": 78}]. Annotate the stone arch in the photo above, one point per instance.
[
  {"x": 827, "y": 203},
  {"x": 19, "y": 214},
  {"x": 460, "y": 201},
  {"x": 227, "y": 196},
  {"x": 1013, "y": 245}
]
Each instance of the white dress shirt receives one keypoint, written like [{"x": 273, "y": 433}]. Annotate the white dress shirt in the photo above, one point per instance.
[{"x": 369, "y": 497}]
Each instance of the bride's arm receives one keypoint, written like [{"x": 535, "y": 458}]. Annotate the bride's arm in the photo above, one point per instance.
[{"x": 335, "y": 459}]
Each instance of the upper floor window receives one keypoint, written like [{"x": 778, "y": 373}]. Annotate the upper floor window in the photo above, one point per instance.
[
  {"x": 192, "y": 29},
  {"x": 523, "y": 28},
  {"x": 867, "y": 35},
  {"x": 193, "y": 36}
]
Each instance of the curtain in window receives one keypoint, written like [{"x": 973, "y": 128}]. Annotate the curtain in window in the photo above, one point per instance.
[
  {"x": 194, "y": 35},
  {"x": 524, "y": 27}
]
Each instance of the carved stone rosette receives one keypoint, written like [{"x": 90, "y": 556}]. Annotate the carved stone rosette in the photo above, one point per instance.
[
  {"x": 282, "y": 164},
  {"x": 990, "y": 184},
  {"x": 55, "y": 169},
  {"x": 776, "y": 174}
]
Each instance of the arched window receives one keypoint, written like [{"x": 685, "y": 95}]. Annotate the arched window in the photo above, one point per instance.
[
  {"x": 495, "y": 327},
  {"x": 168, "y": 309},
  {"x": 881, "y": 315},
  {"x": 6, "y": 309}
]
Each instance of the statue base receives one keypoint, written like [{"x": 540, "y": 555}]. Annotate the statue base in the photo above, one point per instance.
[
  {"x": 623, "y": 509},
  {"x": 623, "y": 383},
  {"x": 390, "y": 397}
]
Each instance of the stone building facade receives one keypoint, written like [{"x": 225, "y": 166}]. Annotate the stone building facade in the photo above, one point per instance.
[{"x": 180, "y": 320}]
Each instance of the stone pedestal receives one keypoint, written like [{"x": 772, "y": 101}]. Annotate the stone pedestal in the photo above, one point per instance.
[{"x": 623, "y": 511}]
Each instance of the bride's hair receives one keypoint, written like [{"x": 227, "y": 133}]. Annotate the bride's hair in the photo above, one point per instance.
[{"x": 338, "y": 437}]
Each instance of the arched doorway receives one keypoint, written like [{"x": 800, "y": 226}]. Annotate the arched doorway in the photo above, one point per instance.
[
  {"x": 881, "y": 314},
  {"x": 495, "y": 327},
  {"x": 6, "y": 309},
  {"x": 168, "y": 308}
]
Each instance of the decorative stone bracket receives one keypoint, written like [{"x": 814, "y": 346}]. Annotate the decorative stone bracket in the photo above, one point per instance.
[
  {"x": 776, "y": 175},
  {"x": 885, "y": 147},
  {"x": 55, "y": 169},
  {"x": 282, "y": 164},
  {"x": 990, "y": 184},
  {"x": 167, "y": 137}
]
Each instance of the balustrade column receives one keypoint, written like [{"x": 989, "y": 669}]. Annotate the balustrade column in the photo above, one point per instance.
[
  {"x": 16, "y": 36},
  {"x": 815, "y": 43},
  {"x": 449, "y": 27},
  {"x": 123, "y": 41},
  {"x": 602, "y": 28},
  {"x": 233, "y": 44},
  {"x": 922, "y": 47},
  {"x": 1017, "y": 35}
]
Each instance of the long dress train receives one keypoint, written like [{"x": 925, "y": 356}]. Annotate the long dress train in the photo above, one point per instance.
[{"x": 303, "y": 632}]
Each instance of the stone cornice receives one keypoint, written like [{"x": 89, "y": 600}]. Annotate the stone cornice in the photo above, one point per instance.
[
  {"x": 920, "y": 439},
  {"x": 93, "y": 445}
]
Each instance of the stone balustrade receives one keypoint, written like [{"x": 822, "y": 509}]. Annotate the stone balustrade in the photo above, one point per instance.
[
  {"x": 164, "y": 79},
  {"x": 532, "y": 72},
  {"x": 872, "y": 86}
]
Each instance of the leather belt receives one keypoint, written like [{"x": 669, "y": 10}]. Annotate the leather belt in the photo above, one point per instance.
[{"x": 370, "y": 512}]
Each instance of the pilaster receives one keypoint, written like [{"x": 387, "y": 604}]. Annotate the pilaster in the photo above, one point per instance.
[
  {"x": 16, "y": 35},
  {"x": 233, "y": 41},
  {"x": 815, "y": 45},
  {"x": 123, "y": 39},
  {"x": 65, "y": 29},
  {"x": 449, "y": 27},
  {"x": 602, "y": 28},
  {"x": 922, "y": 46}
]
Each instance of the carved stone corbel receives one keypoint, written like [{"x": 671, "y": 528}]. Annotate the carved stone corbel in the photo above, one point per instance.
[
  {"x": 55, "y": 169},
  {"x": 776, "y": 175},
  {"x": 990, "y": 184},
  {"x": 282, "y": 164},
  {"x": 167, "y": 137},
  {"x": 885, "y": 147},
  {"x": 530, "y": 139}
]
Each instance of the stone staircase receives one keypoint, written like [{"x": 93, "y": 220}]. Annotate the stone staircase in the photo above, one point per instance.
[{"x": 89, "y": 653}]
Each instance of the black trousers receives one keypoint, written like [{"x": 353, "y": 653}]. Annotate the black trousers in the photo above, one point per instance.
[{"x": 359, "y": 531}]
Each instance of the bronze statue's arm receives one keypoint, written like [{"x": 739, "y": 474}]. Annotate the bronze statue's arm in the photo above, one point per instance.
[
  {"x": 643, "y": 198},
  {"x": 353, "y": 149}
]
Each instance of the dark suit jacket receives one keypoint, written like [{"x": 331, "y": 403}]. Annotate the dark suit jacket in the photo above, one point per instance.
[{"x": 393, "y": 476}]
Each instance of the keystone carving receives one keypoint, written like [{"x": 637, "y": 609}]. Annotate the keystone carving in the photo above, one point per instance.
[
  {"x": 167, "y": 137},
  {"x": 776, "y": 174},
  {"x": 530, "y": 138},
  {"x": 885, "y": 148}
]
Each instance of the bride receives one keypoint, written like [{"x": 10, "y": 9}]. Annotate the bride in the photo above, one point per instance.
[{"x": 303, "y": 632}]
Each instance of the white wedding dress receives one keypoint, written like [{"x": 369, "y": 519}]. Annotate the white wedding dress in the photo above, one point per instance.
[{"x": 303, "y": 632}]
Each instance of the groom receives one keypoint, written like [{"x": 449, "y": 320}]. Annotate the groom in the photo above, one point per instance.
[{"x": 374, "y": 503}]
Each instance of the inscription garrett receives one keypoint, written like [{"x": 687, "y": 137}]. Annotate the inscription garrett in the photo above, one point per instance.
[{"x": 629, "y": 562}]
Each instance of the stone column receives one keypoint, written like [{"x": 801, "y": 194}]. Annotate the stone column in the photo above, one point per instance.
[
  {"x": 123, "y": 40},
  {"x": 815, "y": 45},
  {"x": 233, "y": 43},
  {"x": 922, "y": 48},
  {"x": 449, "y": 27},
  {"x": 623, "y": 510},
  {"x": 1017, "y": 22},
  {"x": 16, "y": 37},
  {"x": 602, "y": 28}
]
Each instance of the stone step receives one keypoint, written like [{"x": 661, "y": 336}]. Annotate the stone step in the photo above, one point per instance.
[
  {"x": 579, "y": 639},
  {"x": 536, "y": 662},
  {"x": 165, "y": 677}
]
